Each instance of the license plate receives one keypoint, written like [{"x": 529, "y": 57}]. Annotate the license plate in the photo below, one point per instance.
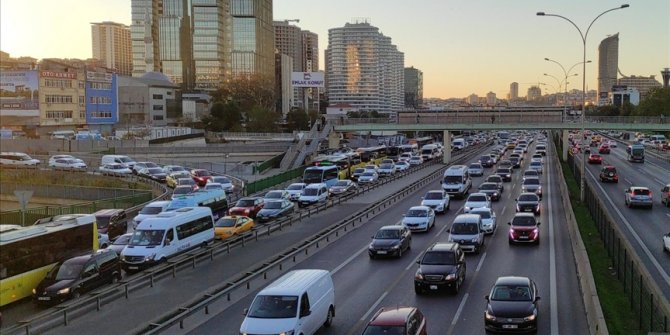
[
  {"x": 381, "y": 252},
  {"x": 44, "y": 298},
  {"x": 433, "y": 287},
  {"x": 523, "y": 237},
  {"x": 510, "y": 326},
  {"x": 132, "y": 268},
  {"x": 528, "y": 210}
]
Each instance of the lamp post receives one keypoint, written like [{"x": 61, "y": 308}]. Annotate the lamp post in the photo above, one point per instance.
[
  {"x": 566, "y": 74},
  {"x": 583, "y": 36},
  {"x": 225, "y": 162}
]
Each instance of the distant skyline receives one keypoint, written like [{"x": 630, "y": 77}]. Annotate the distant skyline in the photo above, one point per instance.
[{"x": 462, "y": 47}]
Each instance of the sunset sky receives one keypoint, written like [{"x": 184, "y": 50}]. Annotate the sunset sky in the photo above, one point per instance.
[{"x": 462, "y": 46}]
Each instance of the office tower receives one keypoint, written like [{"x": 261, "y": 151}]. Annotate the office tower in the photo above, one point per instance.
[
  {"x": 144, "y": 36},
  {"x": 253, "y": 38},
  {"x": 413, "y": 87},
  {"x": 514, "y": 91},
  {"x": 288, "y": 41},
  {"x": 608, "y": 63},
  {"x": 111, "y": 45},
  {"x": 364, "y": 69},
  {"x": 212, "y": 30},
  {"x": 175, "y": 41}
]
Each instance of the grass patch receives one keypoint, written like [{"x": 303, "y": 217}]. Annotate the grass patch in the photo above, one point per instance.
[
  {"x": 613, "y": 300},
  {"x": 42, "y": 177}
]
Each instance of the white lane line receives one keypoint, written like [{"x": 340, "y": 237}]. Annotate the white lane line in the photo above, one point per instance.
[
  {"x": 503, "y": 211},
  {"x": 659, "y": 181},
  {"x": 374, "y": 307},
  {"x": 667, "y": 214},
  {"x": 628, "y": 181},
  {"x": 553, "y": 296},
  {"x": 460, "y": 309},
  {"x": 481, "y": 261},
  {"x": 347, "y": 261}
]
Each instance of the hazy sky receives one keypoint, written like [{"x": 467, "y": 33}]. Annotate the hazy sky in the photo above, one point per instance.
[{"x": 462, "y": 46}]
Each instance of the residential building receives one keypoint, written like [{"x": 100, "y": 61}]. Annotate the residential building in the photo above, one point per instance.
[
  {"x": 534, "y": 94},
  {"x": 491, "y": 99},
  {"x": 310, "y": 51},
  {"x": 252, "y": 38},
  {"x": 101, "y": 100},
  {"x": 150, "y": 100},
  {"x": 144, "y": 35},
  {"x": 111, "y": 45},
  {"x": 513, "y": 91},
  {"x": 472, "y": 100},
  {"x": 21, "y": 63},
  {"x": 641, "y": 83},
  {"x": 62, "y": 94},
  {"x": 413, "y": 87},
  {"x": 364, "y": 69},
  {"x": 608, "y": 64}
]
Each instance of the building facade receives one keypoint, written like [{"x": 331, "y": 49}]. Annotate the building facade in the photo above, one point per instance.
[
  {"x": 641, "y": 83},
  {"x": 101, "y": 100},
  {"x": 283, "y": 87},
  {"x": 608, "y": 64},
  {"x": 175, "y": 42},
  {"x": 491, "y": 99},
  {"x": 62, "y": 95},
  {"x": 149, "y": 100},
  {"x": 252, "y": 38},
  {"x": 212, "y": 38},
  {"x": 364, "y": 69},
  {"x": 144, "y": 36},
  {"x": 534, "y": 94},
  {"x": 513, "y": 91},
  {"x": 111, "y": 45},
  {"x": 413, "y": 87}
]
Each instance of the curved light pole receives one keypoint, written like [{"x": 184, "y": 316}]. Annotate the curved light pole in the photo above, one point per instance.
[
  {"x": 567, "y": 74},
  {"x": 583, "y": 36}
]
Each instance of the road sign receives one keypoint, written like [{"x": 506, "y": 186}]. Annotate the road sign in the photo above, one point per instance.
[{"x": 24, "y": 198}]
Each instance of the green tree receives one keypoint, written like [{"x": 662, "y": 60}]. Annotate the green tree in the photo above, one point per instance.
[
  {"x": 261, "y": 120},
  {"x": 247, "y": 91},
  {"x": 231, "y": 116},
  {"x": 626, "y": 109},
  {"x": 656, "y": 103},
  {"x": 297, "y": 119}
]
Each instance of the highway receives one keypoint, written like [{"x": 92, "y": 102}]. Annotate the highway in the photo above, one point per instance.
[{"x": 644, "y": 228}]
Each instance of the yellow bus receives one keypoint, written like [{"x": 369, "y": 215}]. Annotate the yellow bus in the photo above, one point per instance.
[{"x": 27, "y": 254}]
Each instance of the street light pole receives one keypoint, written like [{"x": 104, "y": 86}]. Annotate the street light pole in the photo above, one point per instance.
[
  {"x": 583, "y": 36},
  {"x": 567, "y": 74}
]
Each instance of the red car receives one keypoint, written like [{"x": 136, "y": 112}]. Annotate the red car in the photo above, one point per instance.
[
  {"x": 201, "y": 176},
  {"x": 608, "y": 173},
  {"x": 524, "y": 228},
  {"x": 595, "y": 159},
  {"x": 604, "y": 149},
  {"x": 247, "y": 207},
  {"x": 397, "y": 320}
]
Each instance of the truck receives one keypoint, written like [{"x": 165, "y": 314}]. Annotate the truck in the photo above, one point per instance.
[{"x": 635, "y": 153}]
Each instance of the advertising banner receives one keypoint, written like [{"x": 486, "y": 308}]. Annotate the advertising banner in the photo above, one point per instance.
[
  {"x": 307, "y": 79},
  {"x": 19, "y": 93}
]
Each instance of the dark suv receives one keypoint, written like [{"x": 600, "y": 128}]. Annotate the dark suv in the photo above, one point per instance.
[
  {"x": 397, "y": 320},
  {"x": 608, "y": 173},
  {"x": 78, "y": 275},
  {"x": 441, "y": 266},
  {"x": 112, "y": 222}
]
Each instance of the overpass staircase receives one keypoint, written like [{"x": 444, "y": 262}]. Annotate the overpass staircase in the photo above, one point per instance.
[{"x": 295, "y": 155}]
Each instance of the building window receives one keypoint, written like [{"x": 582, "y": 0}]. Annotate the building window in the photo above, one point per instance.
[
  {"x": 101, "y": 100},
  {"x": 101, "y": 86},
  {"x": 82, "y": 84},
  {"x": 58, "y": 99},
  {"x": 158, "y": 96},
  {"x": 102, "y": 115},
  {"x": 59, "y": 114},
  {"x": 157, "y": 107},
  {"x": 82, "y": 99},
  {"x": 158, "y": 117},
  {"x": 58, "y": 83},
  {"x": 82, "y": 114}
]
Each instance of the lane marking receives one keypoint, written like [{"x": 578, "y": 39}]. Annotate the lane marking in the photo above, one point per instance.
[
  {"x": 460, "y": 309},
  {"x": 374, "y": 306},
  {"x": 347, "y": 261},
  {"x": 503, "y": 211},
  {"x": 660, "y": 182},
  {"x": 481, "y": 261},
  {"x": 553, "y": 295},
  {"x": 628, "y": 181}
]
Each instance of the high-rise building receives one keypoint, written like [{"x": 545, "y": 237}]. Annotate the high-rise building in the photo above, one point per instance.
[
  {"x": 364, "y": 69},
  {"x": 491, "y": 99},
  {"x": 212, "y": 41},
  {"x": 310, "y": 50},
  {"x": 144, "y": 36},
  {"x": 111, "y": 45},
  {"x": 175, "y": 42},
  {"x": 252, "y": 38},
  {"x": 534, "y": 93},
  {"x": 288, "y": 41},
  {"x": 413, "y": 87},
  {"x": 608, "y": 64},
  {"x": 513, "y": 91},
  {"x": 641, "y": 83},
  {"x": 283, "y": 87}
]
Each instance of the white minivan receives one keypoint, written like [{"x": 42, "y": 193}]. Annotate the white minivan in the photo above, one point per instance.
[
  {"x": 121, "y": 159},
  {"x": 456, "y": 181},
  {"x": 458, "y": 144},
  {"x": 298, "y": 303},
  {"x": 312, "y": 194}
]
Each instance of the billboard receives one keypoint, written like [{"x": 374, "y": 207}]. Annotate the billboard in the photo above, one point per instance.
[
  {"x": 19, "y": 93},
  {"x": 307, "y": 79}
]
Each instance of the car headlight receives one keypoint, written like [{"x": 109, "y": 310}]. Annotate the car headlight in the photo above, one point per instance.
[
  {"x": 246, "y": 211},
  {"x": 149, "y": 258},
  {"x": 476, "y": 239},
  {"x": 489, "y": 316},
  {"x": 451, "y": 276},
  {"x": 395, "y": 246},
  {"x": 34, "y": 291},
  {"x": 64, "y": 291},
  {"x": 495, "y": 194},
  {"x": 418, "y": 275},
  {"x": 530, "y": 317}
]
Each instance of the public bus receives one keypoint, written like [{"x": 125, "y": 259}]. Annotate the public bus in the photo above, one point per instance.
[
  {"x": 214, "y": 199},
  {"x": 29, "y": 253},
  {"x": 370, "y": 153},
  {"x": 635, "y": 153},
  {"x": 421, "y": 141},
  {"x": 321, "y": 174},
  {"x": 410, "y": 148}
]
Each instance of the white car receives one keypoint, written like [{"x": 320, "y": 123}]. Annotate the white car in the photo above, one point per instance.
[
  {"x": 368, "y": 178},
  {"x": 386, "y": 169},
  {"x": 612, "y": 144},
  {"x": 488, "y": 216},
  {"x": 294, "y": 190},
  {"x": 537, "y": 158},
  {"x": 68, "y": 163},
  {"x": 666, "y": 242},
  {"x": 150, "y": 210},
  {"x": 416, "y": 160},
  {"x": 53, "y": 158},
  {"x": 103, "y": 241},
  {"x": 17, "y": 158},
  {"x": 224, "y": 181},
  {"x": 214, "y": 186},
  {"x": 476, "y": 169},
  {"x": 419, "y": 218},
  {"x": 401, "y": 166},
  {"x": 405, "y": 157},
  {"x": 371, "y": 168},
  {"x": 476, "y": 200},
  {"x": 115, "y": 169},
  {"x": 438, "y": 200}
]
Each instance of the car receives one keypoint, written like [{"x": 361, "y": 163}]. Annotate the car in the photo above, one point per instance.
[
  {"x": 609, "y": 173},
  {"x": 476, "y": 200},
  {"x": 604, "y": 149},
  {"x": 637, "y": 196},
  {"x": 516, "y": 162},
  {"x": 154, "y": 173},
  {"x": 532, "y": 185},
  {"x": 612, "y": 144},
  {"x": 188, "y": 181},
  {"x": 419, "y": 218},
  {"x": 505, "y": 174},
  {"x": 168, "y": 169},
  {"x": 357, "y": 173},
  {"x": 368, "y": 177},
  {"x": 390, "y": 241},
  {"x": 54, "y": 158},
  {"x": 512, "y": 305},
  {"x": 397, "y": 320},
  {"x": 120, "y": 243},
  {"x": 115, "y": 169},
  {"x": 386, "y": 169},
  {"x": 416, "y": 160},
  {"x": 313, "y": 194},
  {"x": 595, "y": 159},
  {"x": 494, "y": 158},
  {"x": 405, "y": 157},
  {"x": 489, "y": 219},
  {"x": 227, "y": 184},
  {"x": 467, "y": 231},
  {"x": 537, "y": 166},
  {"x": 491, "y": 190},
  {"x": 276, "y": 195},
  {"x": 371, "y": 168},
  {"x": 200, "y": 176},
  {"x": 401, "y": 166},
  {"x": 17, "y": 158},
  {"x": 442, "y": 266},
  {"x": 181, "y": 190},
  {"x": 537, "y": 158},
  {"x": 497, "y": 179},
  {"x": 232, "y": 225},
  {"x": 528, "y": 202},
  {"x": 530, "y": 174},
  {"x": 343, "y": 186},
  {"x": 524, "y": 228},
  {"x": 505, "y": 163},
  {"x": 113, "y": 222},
  {"x": 475, "y": 169},
  {"x": 295, "y": 190},
  {"x": 214, "y": 186},
  {"x": 141, "y": 165},
  {"x": 665, "y": 195},
  {"x": 172, "y": 179},
  {"x": 486, "y": 161},
  {"x": 67, "y": 163},
  {"x": 541, "y": 149},
  {"x": 666, "y": 242},
  {"x": 438, "y": 200},
  {"x": 248, "y": 206},
  {"x": 275, "y": 208}
]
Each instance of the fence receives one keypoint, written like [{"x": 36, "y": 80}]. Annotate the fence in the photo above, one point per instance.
[
  {"x": 268, "y": 164},
  {"x": 70, "y": 192},
  {"x": 646, "y": 299},
  {"x": 264, "y": 183}
]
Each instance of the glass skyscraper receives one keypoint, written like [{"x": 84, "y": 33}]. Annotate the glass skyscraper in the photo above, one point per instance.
[
  {"x": 144, "y": 36},
  {"x": 211, "y": 40},
  {"x": 253, "y": 38}
]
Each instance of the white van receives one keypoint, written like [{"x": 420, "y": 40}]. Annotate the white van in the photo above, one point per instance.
[
  {"x": 150, "y": 210},
  {"x": 312, "y": 194},
  {"x": 167, "y": 234},
  {"x": 458, "y": 144},
  {"x": 17, "y": 158},
  {"x": 657, "y": 139},
  {"x": 121, "y": 159},
  {"x": 428, "y": 152},
  {"x": 298, "y": 303},
  {"x": 456, "y": 181}
]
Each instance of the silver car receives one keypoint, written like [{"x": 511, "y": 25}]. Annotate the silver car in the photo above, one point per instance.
[
  {"x": 489, "y": 222},
  {"x": 419, "y": 218},
  {"x": 438, "y": 200},
  {"x": 638, "y": 196},
  {"x": 476, "y": 169},
  {"x": 476, "y": 200}
]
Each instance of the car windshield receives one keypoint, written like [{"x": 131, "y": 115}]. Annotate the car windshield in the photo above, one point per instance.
[
  {"x": 312, "y": 176},
  {"x": 528, "y": 197},
  {"x": 438, "y": 258},
  {"x": 494, "y": 179},
  {"x": 464, "y": 228},
  {"x": 511, "y": 293},
  {"x": 386, "y": 166},
  {"x": 477, "y": 198},
  {"x": 503, "y": 171},
  {"x": 177, "y": 168},
  {"x": 475, "y": 166},
  {"x": 122, "y": 240},
  {"x": 341, "y": 183},
  {"x": 221, "y": 180},
  {"x": 535, "y": 164},
  {"x": 484, "y": 158},
  {"x": 434, "y": 196},
  {"x": 483, "y": 214},
  {"x": 274, "y": 307},
  {"x": 125, "y": 159},
  {"x": 155, "y": 170},
  {"x": 147, "y": 237},
  {"x": 488, "y": 186},
  {"x": 359, "y": 170},
  {"x": 530, "y": 173},
  {"x": 452, "y": 179},
  {"x": 531, "y": 181},
  {"x": 368, "y": 174},
  {"x": 67, "y": 270},
  {"x": 273, "y": 205},
  {"x": 310, "y": 191},
  {"x": 186, "y": 181},
  {"x": 417, "y": 213},
  {"x": 384, "y": 234},
  {"x": 273, "y": 195},
  {"x": 523, "y": 221},
  {"x": 244, "y": 203},
  {"x": 225, "y": 222},
  {"x": 295, "y": 187},
  {"x": 384, "y": 330},
  {"x": 181, "y": 190},
  {"x": 201, "y": 173},
  {"x": 608, "y": 170},
  {"x": 213, "y": 187}
]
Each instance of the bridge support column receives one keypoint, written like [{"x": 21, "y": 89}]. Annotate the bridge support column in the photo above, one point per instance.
[
  {"x": 446, "y": 155},
  {"x": 566, "y": 145},
  {"x": 333, "y": 140}
]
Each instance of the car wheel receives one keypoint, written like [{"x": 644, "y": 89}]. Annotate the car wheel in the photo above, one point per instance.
[
  {"x": 76, "y": 294},
  {"x": 417, "y": 290},
  {"x": 329, "y": 318},
  {"x": 510, "y": 242},
  {"x": 372, "y": 256},
  {"x": 400, "y": 252}
]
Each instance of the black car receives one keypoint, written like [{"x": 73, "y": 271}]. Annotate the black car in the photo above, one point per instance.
[
  {"x": 505, "y": 173},
  {"x": 486, "y": 161},
  {"x": 275, "y": 209},
  {"x": 390, "y": 241},
  {"x": 441, "y": 266},
  {"x": 490, "y": 189},
  {"x": 77, "y": 276},
  {"x": 154, "y": 173},
  {"x": 528, "y": 202},
  {"x": 512, "y": 306}
]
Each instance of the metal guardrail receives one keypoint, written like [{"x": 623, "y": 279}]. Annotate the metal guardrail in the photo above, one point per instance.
[{"x": 64, "y": 313}]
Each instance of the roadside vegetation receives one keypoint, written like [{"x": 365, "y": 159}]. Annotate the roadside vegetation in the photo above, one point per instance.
[{"x": 33, "y": 177}]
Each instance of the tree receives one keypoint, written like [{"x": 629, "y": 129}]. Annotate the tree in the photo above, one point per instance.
[
  {"x": 656, "y": 103},
  {"x": 262, "y": 120},
  {"x": 231, "y": 116},
  {"x": 297, "y": 119},
  {"x": 247, "y": 91}
]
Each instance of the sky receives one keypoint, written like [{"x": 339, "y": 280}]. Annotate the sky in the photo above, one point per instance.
[{"x": 462, "y": 46}]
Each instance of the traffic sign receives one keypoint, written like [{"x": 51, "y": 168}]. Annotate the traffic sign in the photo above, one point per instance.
[{"x": 23, "y": 197}]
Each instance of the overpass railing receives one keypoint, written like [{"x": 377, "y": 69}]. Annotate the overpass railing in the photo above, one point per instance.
[{"x": 500, "y": 117}]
